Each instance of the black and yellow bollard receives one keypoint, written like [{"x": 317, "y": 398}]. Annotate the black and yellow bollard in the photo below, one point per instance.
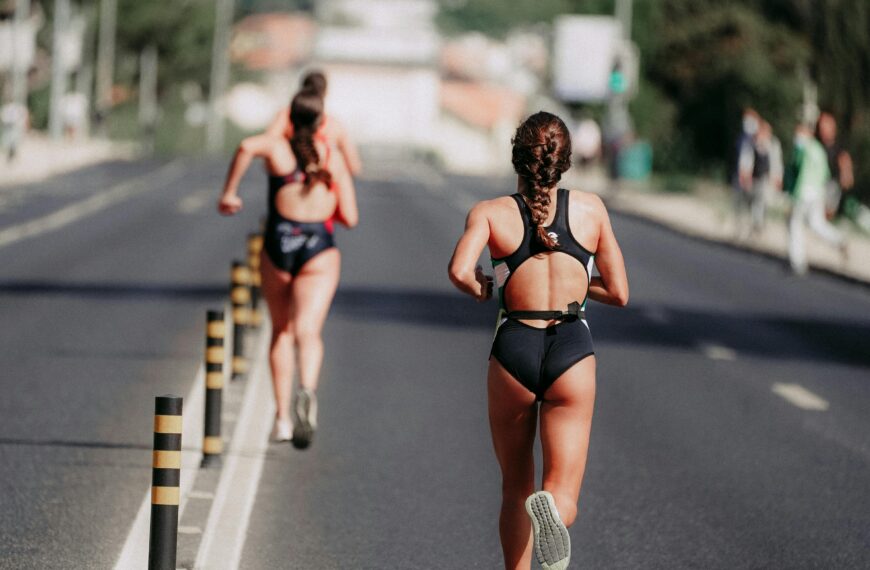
[
  {"x": 240, "y": 295},
  {"x": 212, "y": 444},
  {"x": 255, "y": 246},
  {"x": 165, "y": 480}
]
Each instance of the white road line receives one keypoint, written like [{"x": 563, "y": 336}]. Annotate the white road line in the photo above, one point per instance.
[
  {"x": 657, "y": 315},
  {"x": 189, "y": 530},
  {"x": 205, "y": 495},
  {"x": 230, "y": 515},
  {"x": 715, "y": 351},
  {"x": 195, "y": 202},
  {"x": 799, "y": 396},
  {"x": 90, "y": 205},
  {"x": 134, "y": 555}
]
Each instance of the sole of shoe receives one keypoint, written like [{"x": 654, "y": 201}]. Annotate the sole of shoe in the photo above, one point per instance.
[
  {"x": 552, "y": 542},
  {"x": 303, "y": 430}
]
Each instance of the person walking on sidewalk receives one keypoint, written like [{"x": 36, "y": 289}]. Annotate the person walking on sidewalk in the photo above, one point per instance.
[
  {"x": 808, "y": 200},
  {"x": 839, "y": 163},
  {"x": 760, "y": 171},
  {"x": 330, "y": 128},
  {"x": 309, "y": 188},
  {"x": 741, "y": 174},
  {"x": 542, "y": 241}
]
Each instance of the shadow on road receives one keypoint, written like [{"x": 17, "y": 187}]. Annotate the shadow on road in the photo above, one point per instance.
[
  {"x": 789, "y": 337},
  {"x": 114, "y": 290},
  {"x": 75, "y": 444}
]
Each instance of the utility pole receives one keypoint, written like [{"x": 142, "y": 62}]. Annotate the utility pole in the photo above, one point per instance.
[
  {"x": 105, "y": 59},
  {"x": 623, "y": 14},
  {"x": 19, "y": 63},
  {"x": 148, "y": 109},
  {"x": 58, "y": 73},
  {"x": 220, "y": 75}
]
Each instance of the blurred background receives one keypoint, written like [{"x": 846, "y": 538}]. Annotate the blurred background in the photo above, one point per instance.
[{"x": 666, "y": 81}]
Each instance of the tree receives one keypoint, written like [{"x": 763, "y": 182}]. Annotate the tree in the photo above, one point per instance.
[
  {"x": 712, "y": 60},
  {"x": 182, "y": 30}
]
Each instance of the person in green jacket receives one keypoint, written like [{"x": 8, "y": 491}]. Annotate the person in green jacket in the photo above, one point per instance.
[{"x": 808, "y": 200}]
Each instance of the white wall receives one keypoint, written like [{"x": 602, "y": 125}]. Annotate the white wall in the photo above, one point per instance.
[
  {"x": 469, "y": 150},
  {"x": 384, "y": 104}
]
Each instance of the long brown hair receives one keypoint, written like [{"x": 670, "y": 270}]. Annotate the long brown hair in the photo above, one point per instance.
[
  {"x": 306, "y": 114},
  {"x": 541, "y": 153}
]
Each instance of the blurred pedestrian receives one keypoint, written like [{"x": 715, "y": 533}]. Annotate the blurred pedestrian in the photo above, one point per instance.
[
  {"x": 808, "y": 200},
  {"x": 587, "y": 141},
  {"x": 761, "y": 171},
  {"x": 330, "y": 128},
  {"x": 542, "y": 353},
  {"x": 741, "y": 176},
  {"x": 839, "y": 163},
  {"x": 13, "y": 125},
  {"x": 74, "y": 112},
  {"x": 309, "y": 187}
]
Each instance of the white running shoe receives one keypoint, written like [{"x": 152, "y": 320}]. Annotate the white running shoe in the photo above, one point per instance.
[
  {"x": 304, "y": 417},
  {"x": 281, "y": 430},
  {"x": 552, "y": 542}
]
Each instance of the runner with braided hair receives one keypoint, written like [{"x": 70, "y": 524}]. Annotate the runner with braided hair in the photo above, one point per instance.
[{"x": 542, "y": 361}]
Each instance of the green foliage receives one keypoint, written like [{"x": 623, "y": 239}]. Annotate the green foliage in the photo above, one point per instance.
[
  {"x": 182, "y": 30},
  {"x": 702, "y": 61},
  {"x": 714, "y": 60},
  {"x": 496, "y": 17}
]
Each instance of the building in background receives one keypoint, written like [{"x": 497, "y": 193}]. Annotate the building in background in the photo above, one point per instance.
[
  {"x": 394, "y": 82},
  {"x": 381, "y": 57}
]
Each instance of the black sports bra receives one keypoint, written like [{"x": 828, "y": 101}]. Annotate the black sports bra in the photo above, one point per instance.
[{"x": 560, "y": 230}]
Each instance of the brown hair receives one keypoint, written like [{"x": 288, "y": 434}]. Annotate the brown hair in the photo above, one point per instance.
[
  {"x": 315, "y": 81},
  {"x": 541, "y": 153},
  {"x": 306, "y": 112}
]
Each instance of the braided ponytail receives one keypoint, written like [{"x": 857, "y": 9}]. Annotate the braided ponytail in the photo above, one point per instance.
[
  {"x": 306, "y": 112},
  {"x": 541, "y": 153}
]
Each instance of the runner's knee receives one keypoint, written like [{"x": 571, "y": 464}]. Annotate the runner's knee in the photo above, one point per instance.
[{"x": 306, "y": 333}]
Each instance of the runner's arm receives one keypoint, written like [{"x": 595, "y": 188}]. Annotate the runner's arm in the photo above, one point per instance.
[
  {"x": 347, "y": 212},
  {"x": 349, "y": 152},
  {"x": 611, "y": 286},
  {"x": 251, "y": 147},
  {"x": 463, "y": 270}
]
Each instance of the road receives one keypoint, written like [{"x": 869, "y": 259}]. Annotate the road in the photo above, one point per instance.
[{"x": 731, "y": 415}]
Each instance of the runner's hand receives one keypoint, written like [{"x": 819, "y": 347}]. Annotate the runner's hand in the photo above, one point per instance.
[
  {"x": 229, "y": 204},
  {"x": 485, "y": 284}
]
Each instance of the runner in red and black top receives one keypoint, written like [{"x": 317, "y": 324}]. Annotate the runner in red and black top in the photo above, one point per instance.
[{"x": 309, "y": 187}]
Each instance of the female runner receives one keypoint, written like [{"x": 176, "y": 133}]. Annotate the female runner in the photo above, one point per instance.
[
  {"x": 542, "y": 241},
  {"x": 330, "y": 128},
  {"x": 309, "y": 187}
]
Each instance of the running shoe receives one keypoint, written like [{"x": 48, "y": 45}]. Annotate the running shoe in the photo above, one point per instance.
[
  {"x": 552, "y": 543},
  {"x": 304, "y": 418},
  {"x": 281, "y": 430}
]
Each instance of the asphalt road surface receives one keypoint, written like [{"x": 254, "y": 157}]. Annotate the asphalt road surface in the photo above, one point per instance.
[{"x": 731, "y": 426}]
